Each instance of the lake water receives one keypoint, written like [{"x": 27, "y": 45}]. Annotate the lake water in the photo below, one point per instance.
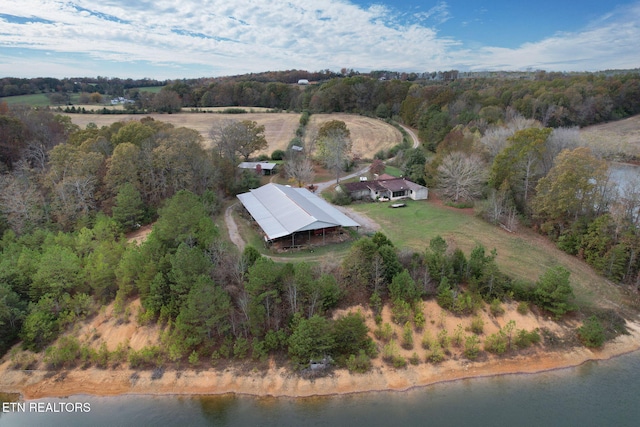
[{"x": 605, "y": 394}]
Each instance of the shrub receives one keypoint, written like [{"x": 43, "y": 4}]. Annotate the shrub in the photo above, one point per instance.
[
  {"x": 360, "y": 363},
  {"x": 496, "y": 343},
  {"x": 194, "y": 358},
  {"x": 66, "y": 353},
  {"x": 419, "y": 319},
  {"x": 427, "y": 341},
  {"x": 523, "y": 307},
  {"x": 471, "y": 347},
  {"x": 277, "y": 155},
  {"x": 496, "y": 307},
  {"x": 390, "y": 351},
  {"x": 384, "y": 333},
  {"x": 146, "y": 357},
  {"x": 399, "y": 362},
  {"x": 443, "y": 339},
  {"x": 401, "y": 312},
  {"x": 591, "y": 333},
  {"x": 341, "y": 198},
  {"x": 477, "y": 325},
  {"x": 525, "y": 339},
  {"x": 436, "y": 355},
  {"x": 240, "y": 348},
  {"x": 407, "y": 336},
  {"x": 414, "y": 359},
  {"x": 259, "y": 351},
  {"x": 457, "y": 336}
]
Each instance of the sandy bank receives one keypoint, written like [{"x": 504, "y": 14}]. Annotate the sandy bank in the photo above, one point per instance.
[{"x": 280, "y": 382}]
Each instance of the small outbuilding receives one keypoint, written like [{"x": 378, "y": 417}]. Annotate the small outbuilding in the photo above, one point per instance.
[{"x": 262, "y": 168}]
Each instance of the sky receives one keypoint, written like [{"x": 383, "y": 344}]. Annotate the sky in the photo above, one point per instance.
[{"x": 172, "y": 39}]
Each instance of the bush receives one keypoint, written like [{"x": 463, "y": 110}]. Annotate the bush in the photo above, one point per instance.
[
  {"x": 496, "y": 343},
  {"x": 443, "y": 339},
  {"x": 427, "y": 342},
  {"x": 240, "y": 348},
  {"x": 407, "y": 336},
  {"x": 66, "y": 353},
  {"x": 146, "y": 358},
  {"x": 414, "y": 359},
  {"x": 477, "y": 325},
  {"x": 591, "y": 333},
  {"x": 525, "y": 339},
  {"x": 340, "y": 198},
  {"x": 523, "y": 308},
  {"x": 419, "y": 319},
  {"x": 194, "y": 358},
  {"x": 496, "y": 308},
  {"x": 277, "y": 155},
  {"x": 471, "y": 347},
  {"x": 401, "y": 312},
  {"x": 360, "y": 363},
  {"x": 436, "y": 355},
  {"x": 384, "y": 333}
]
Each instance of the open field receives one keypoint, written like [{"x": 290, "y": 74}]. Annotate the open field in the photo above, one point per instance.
[
  {"x": 523, "y": 255},
  {"x": 368, "y": 135},
  {"x": 36, "y": 100},
  {"x": 619, "y": 137}
]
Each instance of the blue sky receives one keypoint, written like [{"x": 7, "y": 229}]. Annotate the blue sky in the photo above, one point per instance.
[{"x": 202, "y": 38}]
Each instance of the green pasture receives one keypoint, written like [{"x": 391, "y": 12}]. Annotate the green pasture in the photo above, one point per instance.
[
  {"x": 523, "y": 255},
  {"x": 35, "y": 100}
]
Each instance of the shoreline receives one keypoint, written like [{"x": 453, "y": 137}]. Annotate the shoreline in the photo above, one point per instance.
[{"x": 282, "y": 383}]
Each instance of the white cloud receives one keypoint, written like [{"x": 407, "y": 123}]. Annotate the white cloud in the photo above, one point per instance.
[
  {"x": 607, "y": 43},
  {"x": 216, "y": 37}
]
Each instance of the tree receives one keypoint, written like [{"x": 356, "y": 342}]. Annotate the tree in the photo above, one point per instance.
[
  {"x": 299, "y": 169},
  {"x": 129, "y": 208},
  {"x": 205, "y": 314},
  {"x": 167, "y": 101},
  {"x": 333, "y": 146},
  {"x": 553, "y": 291},
  {"x": 461, "y": 176},
  {"x": 240, "y": 137},
  {"x": 519, "y": 163},
  {"x": 350, "y": 334},
  {"x": 575, "y": 186},
  {"x": 311, "y": 339}
]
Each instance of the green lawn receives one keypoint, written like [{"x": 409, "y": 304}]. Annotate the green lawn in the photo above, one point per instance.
[
  {"x": 523, "y": 255},
  {"x": 393, "y": 171},
  {"x": 35, "y": 100},
  {"x": 151, "y": 89}
]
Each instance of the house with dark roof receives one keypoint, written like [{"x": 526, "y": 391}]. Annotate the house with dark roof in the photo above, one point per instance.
[
  {"x": 293, "y": 215},
  {"x": 386, "y": 187}
]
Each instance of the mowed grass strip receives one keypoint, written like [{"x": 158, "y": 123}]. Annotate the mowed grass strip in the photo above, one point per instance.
[{"x": 523, "y": 255}]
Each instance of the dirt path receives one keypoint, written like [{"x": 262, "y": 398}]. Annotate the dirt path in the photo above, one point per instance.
[
  {"x": 412, "y": 134},
  {"x": 234, "y": 234}
]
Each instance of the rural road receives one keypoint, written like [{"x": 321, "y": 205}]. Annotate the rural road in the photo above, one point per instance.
[{"x": 412, "y": 134}]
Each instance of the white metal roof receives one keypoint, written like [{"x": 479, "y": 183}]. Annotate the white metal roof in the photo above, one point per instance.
[{"x": 281, "y": 210}]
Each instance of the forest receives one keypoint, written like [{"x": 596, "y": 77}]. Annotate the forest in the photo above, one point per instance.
[{"x": 510, "y": 148}]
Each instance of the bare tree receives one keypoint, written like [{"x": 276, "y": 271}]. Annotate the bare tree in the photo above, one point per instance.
[
  {"x": 299, "y": 169},
  {"x": 233, "y": 138},
  {"x": 461, "y": 176}
]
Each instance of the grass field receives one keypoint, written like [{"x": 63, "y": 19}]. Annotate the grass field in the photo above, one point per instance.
[
  {"x": 621, "y": 137},
  {"x": 368, "y": 135},
  {"x": 35, "y": 100},
  {"x": 523, "y": 255}
]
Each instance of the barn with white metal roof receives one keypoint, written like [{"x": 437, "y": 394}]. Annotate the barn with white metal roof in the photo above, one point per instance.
[{"x": 282, "y": 211}]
